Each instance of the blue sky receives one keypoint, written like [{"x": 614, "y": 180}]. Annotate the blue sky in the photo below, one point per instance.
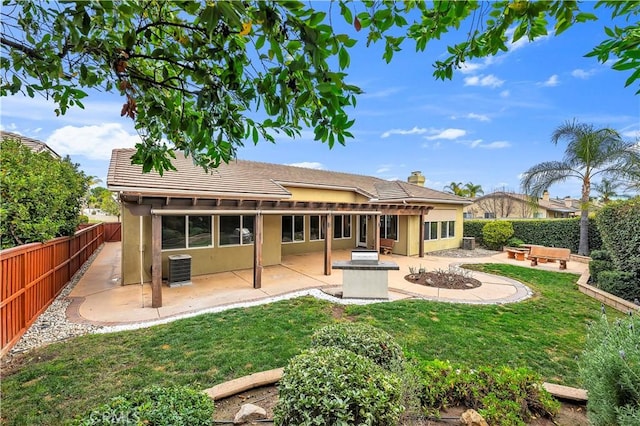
[{"x": 486, "y": 126}]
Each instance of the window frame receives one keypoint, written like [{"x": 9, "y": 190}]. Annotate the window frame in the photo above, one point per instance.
[
  {"x": 383, "y": 226},
  {"x": 447, "y": 229},
  {"x": 186, "y": 234},
  {"x": 241, "y": 243},
  {"x": 431, "y": 235},
  {"x": 321, "y": 227},
  {"x": 342, "y": 227},
  {"x": 293, "y": 228}
]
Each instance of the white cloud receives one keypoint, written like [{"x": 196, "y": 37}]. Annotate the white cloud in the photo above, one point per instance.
[
  {"x": 385, "y": 93},
  {"x": 309, "y": 165},
  {"x": 470, "y": 67},
  {"x": 95, "y": 142},
  {"x": 505, "y": 94},
  {"x": 414, "y": 131},
  {"x": 631, "y": 134},
  {"x": 383, "y": 169},
  {"x": 580, "y": 73},
  {"x": 479, "y": 117},
  {"x": 484, "y": 81},
  {"x": 449, "y": 134},
  {"x": 493, "y": 145},
  {"x": 551, "y": 81}
]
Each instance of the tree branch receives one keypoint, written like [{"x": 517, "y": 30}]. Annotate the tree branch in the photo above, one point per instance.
[{"x": 21, "y": 47}]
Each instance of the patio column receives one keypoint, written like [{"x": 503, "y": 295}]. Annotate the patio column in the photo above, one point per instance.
[
  {"x": 257, "y": 251},
  {"x": 328, "y": 236},
  {"x": 421, "y": 236},
  {"x": 156, "y": 261},
  {"x": 376, "y": 233}
]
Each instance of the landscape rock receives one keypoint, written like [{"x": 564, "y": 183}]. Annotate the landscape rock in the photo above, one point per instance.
[
  {"x": 472, "y": 418},
  {"x": 248, "y": 413}
]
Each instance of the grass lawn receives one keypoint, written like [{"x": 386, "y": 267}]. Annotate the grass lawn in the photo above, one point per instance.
[{"x": 60, "y": 381}]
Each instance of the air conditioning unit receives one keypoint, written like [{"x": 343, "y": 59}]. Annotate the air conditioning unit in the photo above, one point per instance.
[{"x": 179, "y": 270}]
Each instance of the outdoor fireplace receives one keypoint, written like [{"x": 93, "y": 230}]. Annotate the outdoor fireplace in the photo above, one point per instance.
[{"x": 365, "y": 276}]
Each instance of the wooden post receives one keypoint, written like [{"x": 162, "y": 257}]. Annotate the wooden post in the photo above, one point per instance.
[
  {"x": 328, "y": 236},
  {"x": 421, "y": 236},
  {"x": 376, "y": 233},
  {"x": 156, "y": 261},
  {"x": 257, "y": 251}
]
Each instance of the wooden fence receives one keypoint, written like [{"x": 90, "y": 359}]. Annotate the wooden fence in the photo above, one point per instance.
[{"x": 34, "y": 274}]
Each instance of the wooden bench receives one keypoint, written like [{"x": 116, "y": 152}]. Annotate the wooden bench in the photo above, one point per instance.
[
  {"x": 549, "y": 253},
  {"x": 386, "y": 245},
  {"x": 516, "y": 254}
]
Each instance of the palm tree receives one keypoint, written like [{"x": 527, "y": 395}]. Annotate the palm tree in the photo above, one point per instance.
[
  {"x": 590, "y": 152},
  {"x": 472, "y": 190},
  {"x": 607, "y": 189},
  {"x": 455, "y": 188}
]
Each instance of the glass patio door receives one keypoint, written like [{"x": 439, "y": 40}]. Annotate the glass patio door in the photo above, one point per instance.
[{"x": 362, "y": 231}]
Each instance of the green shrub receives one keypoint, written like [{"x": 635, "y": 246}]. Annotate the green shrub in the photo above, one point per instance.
[
  {"x": 363, "y": 339},
  {"x": 333, "y": 386},
  {"x": 83, "y": 219},
  {"x": 501, "y": 395},
  {"x": 473, "y": 228},
  {"x": 622, "y": 284},
  {"x": 515, "y": 242},
  {"x": 618, "y": 223},
  {"x": 596, "y": 267},
  {"x": 600, "y": 255},
  {"x": 495, "y": 234},
  {"x": 610, "y": 370},
  {"x": 154, "y": 406}
]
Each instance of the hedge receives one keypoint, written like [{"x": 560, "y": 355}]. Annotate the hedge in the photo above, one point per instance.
[
  {"x": 618, "y": 223},
  {"x": 546, "y": 232}
]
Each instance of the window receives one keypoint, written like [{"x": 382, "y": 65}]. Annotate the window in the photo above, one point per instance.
[
  {"x": 430, "y": 231},
  {"x": 292, "y": 229},
  {"x": 467, "y": 215},
  {"x": 342, "y": 226},
  {"x": 182, "y": 232},
  {"x": 489, "y": 215},
  {"x": 236, "y": 230},
  {"x": 448, "y": 229},
  {"x": 316, "y": 227},
  {"x": 389, "y": 227}
]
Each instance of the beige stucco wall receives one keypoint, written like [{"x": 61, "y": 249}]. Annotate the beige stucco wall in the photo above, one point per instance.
[
  {"x": 206, "y": 260},
  {"x": 325, "y": 195},
  {"x": 218, "y": 259}
]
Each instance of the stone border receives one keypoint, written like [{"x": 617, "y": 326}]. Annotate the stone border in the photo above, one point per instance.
[
  {"x": 607, "y": 298},
  {"x": 270, "y": 377}
]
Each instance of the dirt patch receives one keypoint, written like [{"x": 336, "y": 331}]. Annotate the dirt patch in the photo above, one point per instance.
[
  {"x": 444, "y": 279},
  {"x": 267, "y": 397}
]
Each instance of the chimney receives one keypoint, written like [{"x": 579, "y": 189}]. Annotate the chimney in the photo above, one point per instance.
[
  {"x": 545, "y": 195},
  {"x": 416, "y": 178},
  {"x": 568, "y": 202}
]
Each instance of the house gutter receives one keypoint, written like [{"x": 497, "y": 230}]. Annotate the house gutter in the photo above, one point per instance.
[
  {"x": 145, "y": 192},
  {"x": 141, "y": 261},
  {"x": 178, "y": 212},
  {"x": 421, "y": 200}
]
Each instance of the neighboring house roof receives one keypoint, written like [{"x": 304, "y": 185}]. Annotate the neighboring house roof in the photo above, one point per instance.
[
  {"x": 261, "y": 180},
  {"x": 33, "y": 144},
  {"x": 555, "y": 205}
]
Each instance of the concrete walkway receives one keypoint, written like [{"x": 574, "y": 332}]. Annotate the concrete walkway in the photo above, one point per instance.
[{"x": 99, "y": 299}]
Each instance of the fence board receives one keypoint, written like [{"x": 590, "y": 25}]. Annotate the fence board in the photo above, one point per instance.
[{"x": 34, "y": 274}]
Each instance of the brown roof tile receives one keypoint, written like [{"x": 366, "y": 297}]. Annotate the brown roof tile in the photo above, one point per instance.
[{"x": 256, "y": 179}]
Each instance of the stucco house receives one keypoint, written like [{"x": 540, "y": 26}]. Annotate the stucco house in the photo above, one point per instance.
[
  {"x": 33, "y": 144},
  {"x": 503, "y": 204},
  {"x": 249, "y": 214}
]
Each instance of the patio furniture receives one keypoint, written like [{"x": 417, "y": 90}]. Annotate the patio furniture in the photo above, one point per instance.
[
  {"x": 386, "y": 245},
  {"x": 541, "y": 253}
]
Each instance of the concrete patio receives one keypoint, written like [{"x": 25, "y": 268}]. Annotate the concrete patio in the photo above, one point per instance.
[{"x": 98, "y": 298}]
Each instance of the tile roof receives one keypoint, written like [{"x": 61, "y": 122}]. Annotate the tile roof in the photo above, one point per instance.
[
  {"x": 256, "y": 179},
  {"x": 33, "y": 144},
  {"x": 553, "y": 204}
]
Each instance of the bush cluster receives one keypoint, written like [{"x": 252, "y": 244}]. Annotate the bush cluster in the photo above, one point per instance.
[
  {"x": 363, "y": 339},
  {"x": 154, "y": 406},
  {"x": 610, "y": 370},
  {"x": 333, "y": 386},
  {"x": 618, "y": 223},
  {"x": 547, "y": 232},
  {"x": 496, "y": 233},
  {"x": 501, "y": 395}
]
